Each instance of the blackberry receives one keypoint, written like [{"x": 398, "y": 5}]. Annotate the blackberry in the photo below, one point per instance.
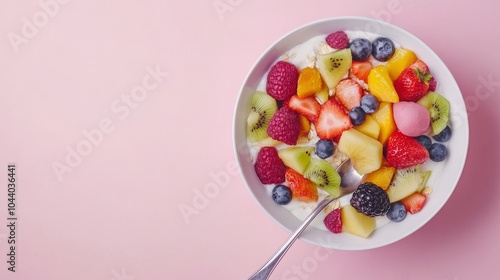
[{"x": 370, "y": 200}]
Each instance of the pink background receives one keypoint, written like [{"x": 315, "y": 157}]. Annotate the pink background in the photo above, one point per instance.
[{"x": 116, "y": 214}]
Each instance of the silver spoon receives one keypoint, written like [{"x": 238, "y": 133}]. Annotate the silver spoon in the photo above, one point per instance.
[{"x": 350, "y": 180}]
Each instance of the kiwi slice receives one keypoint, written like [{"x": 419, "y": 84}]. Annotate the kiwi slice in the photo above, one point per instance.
[
  {"x": 297, "y": 158},
  {"x": 425, "y": 178},
  {"x": 334, "y": 66},
  {"x": 405, "y": 182},
  {"x": 322, "y": 173},
  {"x": 263, "y": 108},
  {"x": 439, "y": 109}
]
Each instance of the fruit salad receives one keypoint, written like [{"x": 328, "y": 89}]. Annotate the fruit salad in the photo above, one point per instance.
[{"x": 349, "y": 95}]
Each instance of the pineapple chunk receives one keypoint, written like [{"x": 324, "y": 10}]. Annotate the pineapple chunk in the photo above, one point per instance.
[
  {"x": 356, "y": 223},
  {"x": 386, "y": 121},
  {"x": 364, "y": 151},
  {"x": 369, "y": 127}
]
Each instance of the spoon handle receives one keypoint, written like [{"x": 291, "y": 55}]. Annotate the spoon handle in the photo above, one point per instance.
[{"x": 265, "y": 271}]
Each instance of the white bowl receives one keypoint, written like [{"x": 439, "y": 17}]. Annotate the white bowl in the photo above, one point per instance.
[{"x": 445, "y": 175}]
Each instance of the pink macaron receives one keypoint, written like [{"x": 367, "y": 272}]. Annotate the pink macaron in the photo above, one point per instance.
[{"x": 411, "y": 118}]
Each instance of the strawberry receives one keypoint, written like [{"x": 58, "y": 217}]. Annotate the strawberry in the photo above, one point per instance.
[
  {"x": 333, "y": 221},
  {"x": 307, "y": 107},
  {"x": 349, "y": 93},
  {"x": 282, "y": 80},
  {"x": 403, "y": 151},
  {"x": 413, "y": 83},
  {"x": 269, "y": 167},
  {"x": 302, "y": 188},
  {"x": 361, "y": 69},
  {"x": 284, "y": 126},
  {"x": 332, "y": 120},
  {"x": 414, "y": 202}
]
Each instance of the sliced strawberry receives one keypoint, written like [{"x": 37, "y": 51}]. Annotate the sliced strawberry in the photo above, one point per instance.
[
  {"x": 302, "y": 188},
  {"x": 404, "y": 151},
  {"x": 414, "y": 202},
  {"x": 361, "y": 69},
  {"x": 332, "y": 120},
  {"x": 349, "y": 93},
  {"x": 307, "y": 107}
]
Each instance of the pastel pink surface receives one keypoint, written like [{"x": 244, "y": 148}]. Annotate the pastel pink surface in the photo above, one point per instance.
[
  {"x": 411, "y": 118},
  {"x": 117, "y": 214}
]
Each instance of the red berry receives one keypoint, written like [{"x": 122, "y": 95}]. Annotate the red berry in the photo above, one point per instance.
[
  {"x": 414, "y": 203},
  {"x": 404, "y": 151},
  {"x": 284, "y": 126},
  {"x": 269, "y": 167},
  {"x": 413, "y": 83},
  {"x": 349, "y": 93},
  {"x": 282, "y": 80},
  {"x": 333, "y": 222},
  {"x": 432, "y": 84},
  {"x": 302, "y": 188},
  {"x": 307, "y": 107},
  {"x": 337, "y": 40},
  {"x": 332, "y": 120}
]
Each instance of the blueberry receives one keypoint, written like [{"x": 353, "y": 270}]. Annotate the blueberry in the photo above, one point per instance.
[
  {"x": 382, "y": 48},
  {"x": 282, "y": 194},
  {"x": 438, "y": 152},
  {"x": 397, "y": 212},
  {"x": 369, "y": 103},
  {"x": 424, "y": 140},
  {"x": 324, "y": 148},
  {"x": 444, "y": 135},
  {"x": 357, "y": 115},
  {"x": 360, "y": 49}
]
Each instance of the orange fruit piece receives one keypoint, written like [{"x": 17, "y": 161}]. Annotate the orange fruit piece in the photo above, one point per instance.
[
  {"x": 309, "y": 82},
  {"x": 386, "y": 121},
  {"x": 380, "y": 85},
  {"x": 381, "y": 177}
]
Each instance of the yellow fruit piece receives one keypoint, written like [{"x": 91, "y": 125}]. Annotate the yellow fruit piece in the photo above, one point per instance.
[
  {"x": 364, "y": 151},
  {"x": 356, "y": 223},
  {"x": 309, "y": 82},
  {"x": 323, "y": 95},
  {"x": 400, "y": 60},
  {"x": 386, "y": 121},
  {"x": 381, "y": 177},
  {"x": 380, "y": 85},
  {"x": 369, "y": 127},
  {"x": 305, "y": 126}
]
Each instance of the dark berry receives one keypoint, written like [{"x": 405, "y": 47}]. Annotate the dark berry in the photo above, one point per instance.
[
  {"x": 357, "y": 115},
  {"x": 337, "y": 40},
  {"x": 397, "y": 212},
  {"x": 324, "y": 148},
  {"x": 370, "y": 200},
  {"x": 382, "y": 48},
  {"x": 282, "y": 194},
  {"x": 369, "y": 103},
  {"x": 444, "y": 135},
  {"x": 360, "y": 49},
  {"x": 425, "y": 141},
  {"x": 432, "y": 84},
  {"x": 438, "y": 152}
]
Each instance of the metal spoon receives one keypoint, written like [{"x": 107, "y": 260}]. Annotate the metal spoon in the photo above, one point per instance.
[{"x": 350, "y": 180}]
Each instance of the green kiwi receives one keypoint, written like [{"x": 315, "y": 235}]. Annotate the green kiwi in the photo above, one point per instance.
[
  {"x": 407, "y": 181},
  {"x": 297, "y": 158},
  {"x": 333, "y": 66},
  {"x": 439, "y": 109},
  {"x": 322, "y": 173},
  {"x": 263, "y": 108}
]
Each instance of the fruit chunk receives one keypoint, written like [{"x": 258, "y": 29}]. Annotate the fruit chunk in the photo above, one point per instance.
[
  {"x": 404, "y": 151},
  {"x": 356, "y": 223},
  {"x": 413, "y": 83},
  {"x": 381, "y": 177},
  {"x": 411, "y": 119},
  {"x": 439, "y": 109},
  {"x": 297, "y": 158},
  {"x": 263, "y": 108},
  {"x": 305, "y": 126},
  {"x": 307, "y": 107},
  {"x": 324, "y": 176},
  {"x": 364, "y": 151},
  {"x": 337, "y": 40},
  {"x": 302, "y": 188},
  {"x": 269, "y": 167},
  {"x": 369, "y": 127},
  {"x": 405, "y": 182},
  {"x": 384, "y": 117},
  {"x": 349, "y": 93},
  {"x": 332, "y": 120},
  {"x": 361, "y": 69},
  {"x": 334, "y": 66},
  {"x": 414, "y": 203},
  {"x": 309, "y": 82},
  {"x": 400, "y": 60},
  {"x": 380, "y": 85},
  {"x": 370, "y": 200},
  {"x": 284, "y": 126},
  {"x": 323, "y": 95},
  {"x": 333, "y": 221},
  {"x": 282, "y": 80}
]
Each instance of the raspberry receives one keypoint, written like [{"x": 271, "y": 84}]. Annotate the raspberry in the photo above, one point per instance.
[
  {"x": 337, "y": 40},
  {"x": 333, "y": 221},
  {"x": 282, "y": 80},
  {"x": 269, "y": 167},
  {"x": 432, "y": 84},
  {"x": 370, "y": 200},
  {"x": 284, "y": 126}
]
